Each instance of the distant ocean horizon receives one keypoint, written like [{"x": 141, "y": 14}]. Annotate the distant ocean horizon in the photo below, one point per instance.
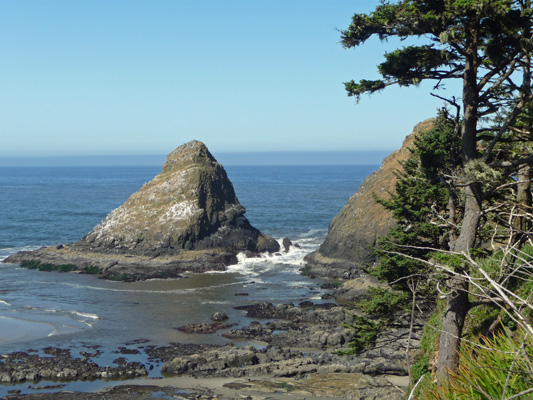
[{"x": 370, "y": 157}]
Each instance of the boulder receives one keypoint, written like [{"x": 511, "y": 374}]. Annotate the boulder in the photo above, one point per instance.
[
  {"x": 187, "y": 218},
  {"x": 286, "y": 244},
  {"x": 219, "y": 316},
  {"x": 353, "y": 232}
]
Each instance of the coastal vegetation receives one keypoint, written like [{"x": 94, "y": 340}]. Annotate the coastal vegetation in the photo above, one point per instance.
[
  {"x": 462, "y": 203},
  {"x": 35, "y": 264}
]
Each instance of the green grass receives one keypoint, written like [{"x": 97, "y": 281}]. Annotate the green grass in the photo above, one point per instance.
[{"x": 499, "y": 369}]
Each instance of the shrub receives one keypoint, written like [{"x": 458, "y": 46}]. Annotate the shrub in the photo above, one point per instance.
[
  {"x": 384, "y": 302},
  {"x": 366, "y": 333}
]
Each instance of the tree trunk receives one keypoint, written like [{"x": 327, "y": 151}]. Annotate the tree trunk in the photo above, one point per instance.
[
  {"x": 523, "y": 193},
  {"x": 457, "y": 303},
  {"x": 457, "y": 307},
  {"x": 523, "y": 197}
]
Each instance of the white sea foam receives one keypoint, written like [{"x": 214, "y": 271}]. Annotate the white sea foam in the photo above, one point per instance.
[
  {"x": 293, "y": 260},
  {"x": 8, "y": 251},
  {"x": 54, "y": 333},
  {"x": 107, "y": 289},
  {"x": 309, "y": 242},
  {"x": 253, "y": 266},
  {"x": 5, "y": 302},
  {"x": 299, "y": 284},
  {"x": 85, "y": 315},
  {"x": 71, "y": 314},
  {"x": 169, "y": 291},
  {"x": 313, "y": 232}
]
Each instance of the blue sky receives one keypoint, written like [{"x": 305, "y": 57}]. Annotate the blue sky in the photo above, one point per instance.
[{"x": 142, "y": 77}]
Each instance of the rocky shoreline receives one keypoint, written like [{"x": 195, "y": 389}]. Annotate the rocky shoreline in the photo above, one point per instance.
[{"x": 298, "y": 343}]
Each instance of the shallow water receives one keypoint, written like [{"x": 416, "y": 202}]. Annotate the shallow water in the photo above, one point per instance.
[{"x": 81, "y": 308}]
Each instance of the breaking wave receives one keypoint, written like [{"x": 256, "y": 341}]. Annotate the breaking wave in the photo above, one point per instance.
[{"x": 7, "y": 251}]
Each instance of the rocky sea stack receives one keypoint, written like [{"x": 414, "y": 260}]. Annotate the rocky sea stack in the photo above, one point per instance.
[
  {"x": 353, "y": 232},
  {"x": 187, "y": 218}
]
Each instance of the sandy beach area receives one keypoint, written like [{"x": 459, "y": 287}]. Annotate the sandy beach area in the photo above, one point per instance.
[{"x": 317, "y": 387}]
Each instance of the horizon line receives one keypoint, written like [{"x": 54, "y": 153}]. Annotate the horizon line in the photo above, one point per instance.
[{"x": 286, "y": 157}]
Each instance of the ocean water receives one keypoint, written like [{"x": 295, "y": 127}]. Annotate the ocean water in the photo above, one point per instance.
[{"x": 47, "y": 206}]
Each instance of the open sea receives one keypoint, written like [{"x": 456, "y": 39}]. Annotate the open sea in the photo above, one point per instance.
[{"x": 52, "y": 205}]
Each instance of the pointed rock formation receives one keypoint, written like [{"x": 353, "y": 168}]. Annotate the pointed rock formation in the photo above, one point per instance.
[
  {"x": 187, "y": 218},
  {"x": 353, "y": 232},
  {"x": 190, "y": 205}
]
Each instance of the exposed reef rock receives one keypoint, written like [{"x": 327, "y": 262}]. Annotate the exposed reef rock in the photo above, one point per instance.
[
  {"x": 59, "y": 365},
  {"x": 353, "y": 232},
  {"x": 187, "y": 218}
]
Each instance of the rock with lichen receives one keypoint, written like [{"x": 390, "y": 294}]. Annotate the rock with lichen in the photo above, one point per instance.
[{"x": 186, "y": 218}]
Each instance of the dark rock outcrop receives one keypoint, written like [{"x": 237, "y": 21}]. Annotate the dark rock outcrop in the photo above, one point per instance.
[
  {"x": 204, "y": 328},
  {"x": 286, "y": 244},
  {"x": 219, "y": 316},
  {"x": 59, "y": 365},
  {"x": 299, "y": 351},
  {"x": 187, "y": 218},
  {"x": 353, "y": 232},
  {"x": 321, "y": 327}
]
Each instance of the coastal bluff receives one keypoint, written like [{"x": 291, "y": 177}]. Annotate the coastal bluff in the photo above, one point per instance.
[
  {"x": 188, "y": 218},
  {"x": 353, "y": 232}
]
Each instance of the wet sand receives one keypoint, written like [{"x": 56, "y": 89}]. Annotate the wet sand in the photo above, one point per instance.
[
  {"x": 269, "y": 387},
  {"x": 18, "y": 330}
]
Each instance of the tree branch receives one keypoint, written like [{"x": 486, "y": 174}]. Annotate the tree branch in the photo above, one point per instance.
[
  {"x": 512, "y": 163},
  {"x": 509, "y": 120}
]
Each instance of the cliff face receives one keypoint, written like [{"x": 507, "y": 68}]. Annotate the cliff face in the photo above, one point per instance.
[
  {"x": 187, "y": 218},
  {"x": 353, "y": 232}
]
